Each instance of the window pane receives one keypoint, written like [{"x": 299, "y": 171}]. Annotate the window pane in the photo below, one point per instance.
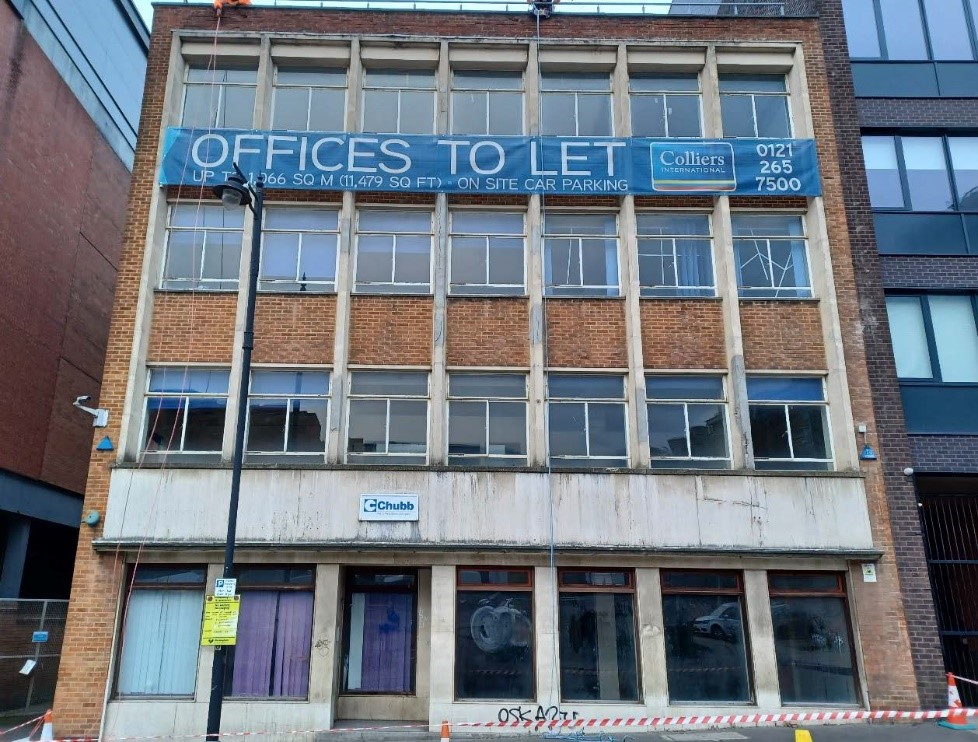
[
  {"x": 738, "y": 115},
  {"x": 375, "y": 258},
  {"x": 861, "y": 30},
  {"x": 567, "y": 430},
  {"x": 772, "y": 116},
  {"x": 648, "y": 116},
  {"x": 883, "y": 172},
  {"x": 408, "y": 426},
  {"x": 673, "y": 224},
  {"x": 411, "y": 260},
  {"x": 667, "y": 430},
  {"x": 606, "y": 429},
  {"x": 326, "y": 77},
  {"x": 398, "y": 383},
  {"x": 291, "y": 109},
  {"x": 417, "y": 112},
  {"x": 657, "y": 83},
  {"x": 280, "y": 256},
  {"x": 368, "y": 426},
  {"x": 205, "y": 424},
  {"x": 730, "y": 83},
  {"x": 222, "y": 257},
  {"x": 239, "y": 107},
  {"x": 486, "y": 222},
  {"x": 469, "y": 112},
  {"x": 184, "y": 253},
  {"x": 705, "y": 648},
  {"x": 308, "y": 425},
  {"x": 379, "y": 646},
  {"x": 964, "y": 160},
  {"x": 707, "y": 430},
  {"x": 510, "y": 577},
  {"x": 909, "y": 337},
  {"x": 494, "y": 645},
  {"x": 784, "y": 388},
  {"x": 318, "y": 260},
  {"x": 160, "y": 640},
  {"x": 506, "y": 261},
  {"x": 955, "y": 336},
  {"x": 200, "y": 106},
  {"x": 266, "y": 424},
  {"x": 505, "y": 113},
  {"x": 507, "y": 428},
  {"x": 566, "y": 81},
  {"x": 769, "y": 430},
  {"x": 948, "y": 29},
  {"x": 594, "y": 115},
  {"x": 380, "y": 110},
  {"x": 927, "y": 174},
  {"x": 805, "y": 581},
  {"x": 751, "y": 225},
  {"x": 683, "y": 387},
  {"x": 487, "y": 385},
  {"x": 904, "y": 30},
  {"x": 580, "y": 224},
  {"x": 811, "y": 639},
  {"x": 466, "y": 428},
  {"x": 598, "y": 661},
  {"x": 585, "y": 386},
  {"x": 563, "y": 262},
  {"x": 656, "y": 264},
  {"x": 699, "y": 580},
  {"x": 599, "y": 263},
  {"x": 327, "y": 110},
  {"x": 469, "y": 256},
  {"x": 189, "y": 380},
  {"x": 683, "y": 112},
  {"x": 559, "y": 117},
  {"x": 808, "y": 425},
  {"x": 164, "y": 423},
  {"x": 475, "y": 80}
]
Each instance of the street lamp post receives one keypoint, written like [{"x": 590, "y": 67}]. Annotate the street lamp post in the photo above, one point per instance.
[{"x": 234, "y": 193}]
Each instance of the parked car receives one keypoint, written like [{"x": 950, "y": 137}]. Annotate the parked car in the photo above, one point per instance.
[{"x": 722, "y": 623}]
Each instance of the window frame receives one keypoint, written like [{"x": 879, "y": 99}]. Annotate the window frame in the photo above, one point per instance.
[
  {"x": 923, "y": 299},
  {"x": 455, "y": 88},
  {"x": 328, "y": 287},
  {"x": 665, "y": 95},
  {"x": 421, "y": 459},
  {"x": 774, "y": 291},
  {"x": 786, "y": 95},
  {"x": 375, "y": 288},
  {"x": 276, "y": 86},
  {"x": 222, "y": 92},
  {"x": 577, "y": 93},
  {"x": 645, "y": 290},
  {"x": 491, "y": 288},
  {"x": 182, "y": 408},
  {"x": 581, "y": 461},
  {"x": 684, "y": 462},
  {"x": 487, "y": 399},
  {"x": 199, "y": 282},
  {"x": 971, "y": 24},
  {"x": 582, "y": 290},
  {"x": 829, "y": 462},
  {"x": 366, "y": 88},
  {"x": 288, "y": 399}
]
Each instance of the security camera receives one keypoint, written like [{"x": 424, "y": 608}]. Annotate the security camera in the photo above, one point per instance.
[
  {"x": 82, "y": 398},
  {"x": 101, "y": 416}
]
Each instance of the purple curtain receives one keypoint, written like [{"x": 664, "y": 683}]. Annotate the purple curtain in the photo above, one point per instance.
[
  {"x": 293, "y": 636},
  {"x": 253, "y": 652},
  {"x": 388, "y": 637}
]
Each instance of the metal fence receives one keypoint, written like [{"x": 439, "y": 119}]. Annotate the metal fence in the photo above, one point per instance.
[{"x": 22, "y": 624}]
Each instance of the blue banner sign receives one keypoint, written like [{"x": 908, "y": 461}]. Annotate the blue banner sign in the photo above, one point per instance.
[{"x": 477, "y": 164}]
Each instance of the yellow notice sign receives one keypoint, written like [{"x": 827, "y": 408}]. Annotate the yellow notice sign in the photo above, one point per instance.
[{"x": 220, "y": 621}]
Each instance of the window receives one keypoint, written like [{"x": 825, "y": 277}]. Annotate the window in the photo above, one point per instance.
[
  {"x": 896, "y": 29},
  {"x": 388, "y": 417},
  {"x": 754, "y": 106},
  {"x": 271, "y": 659},
  {"x": 587, "y": 420},
  {"x": 922, "y": 173},
  {"x": 487, "y": 253},
  {"x": 399, "y": 101},
  {"x": 379, "y": 636},
  {"x": 935, "y": 337},
  {"x": 771, "y": 255},
  {"x": 219, "y": 98},
  {"x": 687, "y": 421},
  {"x": 812, "y": 639},
  {"x": 494, "y": 634},
  {"x": 706, "y": 640},
  {"x": 487, "y": 103},
  {"x": 576, "y": 105},
  {"x": 161, "y": 631},
  {"x": 185, "y": 410},
  {"x": 675, "y": 255},
  {"x": 203, "y": 248},
  {"x": 309, "y": 100},
  {"x": 580, "y": 255},
  {"x": 394, "y": 252},
  {"x": 789, "y": 422},
  {"x": 598, "y": 659},
  {"x": 487, "y": 419},
  {"x": 287, "y": 412},
  {"x": 298, "y": 250},
  {"x": 665, "y": 105}
]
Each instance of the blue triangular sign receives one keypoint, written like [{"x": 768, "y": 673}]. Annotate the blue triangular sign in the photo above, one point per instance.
[{"x": 105, "y": 445}]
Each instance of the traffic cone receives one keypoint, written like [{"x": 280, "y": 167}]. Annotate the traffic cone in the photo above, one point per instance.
[
  {"x": 957, "y": 719},
  {"x": 47, "y": 731},
  {"x": 445, "y": 734},
  {"x": 803, "y": 735}
]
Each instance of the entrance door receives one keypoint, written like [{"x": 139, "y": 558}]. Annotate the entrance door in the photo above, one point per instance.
[{"x": 379, "y": 675}]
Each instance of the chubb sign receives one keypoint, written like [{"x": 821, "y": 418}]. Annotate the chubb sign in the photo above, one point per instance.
[{"x": 388, "y": 507}]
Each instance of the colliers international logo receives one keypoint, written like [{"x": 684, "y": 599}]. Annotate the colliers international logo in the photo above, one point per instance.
[{"x": 693, "y": 166}]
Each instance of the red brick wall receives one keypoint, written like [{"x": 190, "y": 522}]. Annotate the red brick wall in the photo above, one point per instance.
[
  {"x": 391, "y": 330},
  {"x": 586, "y": 333},
  {"x": 61, "y": 214},
  {"x": 783, "y": 336},
  {"x": 682, "y": 333},
  {"x": 488, "y": 332},
  {"x": 294, "y": 328},
  {"x": 193, "y": 328}
]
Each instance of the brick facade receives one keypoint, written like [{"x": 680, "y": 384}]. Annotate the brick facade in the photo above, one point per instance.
[
  {"x": 782, "y": 336},
  {"x": 586, "y": 333},
  {"x": 488, "y": 332},
  {"x": 391, "y": 330},
  {"x": 685, "y": 333},
  {"x": 192, "y": 328},
  {"x": 288, "y": 330}
]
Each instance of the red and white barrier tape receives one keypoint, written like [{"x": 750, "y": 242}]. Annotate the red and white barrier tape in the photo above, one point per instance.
[
  {"x": 27, "y": 723},
  {"x": 645, "y": 722},
  {"x": 965, "y": 680}
]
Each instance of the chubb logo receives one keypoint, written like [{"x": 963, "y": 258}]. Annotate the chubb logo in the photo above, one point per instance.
[{"x": 375, "y": 505}]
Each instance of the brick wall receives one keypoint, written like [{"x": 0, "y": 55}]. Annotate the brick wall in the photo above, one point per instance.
[
  {"x": 685, "y": 333},
  {"x": 192, "y": 328},
  {"x": 294, "y": 329},
  {"x": 930, "y": 272},
  {"x": 59, "y": 262},
  {"x": 925, "y": 112},
  {"x": 940, "y": 454},
  {"x": 782, "y": 336},
  {"x": 586, "y": 333},
  {"x": 897, "y": 526},
  {"x": 391, "y": 330},
  {"x": 488, "y": 332}
]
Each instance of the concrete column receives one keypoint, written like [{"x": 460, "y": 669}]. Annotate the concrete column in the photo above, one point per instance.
[
  {"x": 441, "y": 682},
  {"x": 335, "y": 444},
  {"x": 638, "y": 424},
  {"x": 324, "y": 660},
  {"x": 266, "y": 82},
  {"x": 14, "y": 556},
  {"x": 547, "y": 645},
  {"x": 438, "y": 437},
  {"x": 712, "y": 119},
  {"x": 801, "y": 113},
  {"x": 619, "y": 94},
  {"x": 760, "y": 631},
  {"x": 651, "y": 639},
  {"x": 205, "y": 657},
  {"x": 738, "y": 413}
]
